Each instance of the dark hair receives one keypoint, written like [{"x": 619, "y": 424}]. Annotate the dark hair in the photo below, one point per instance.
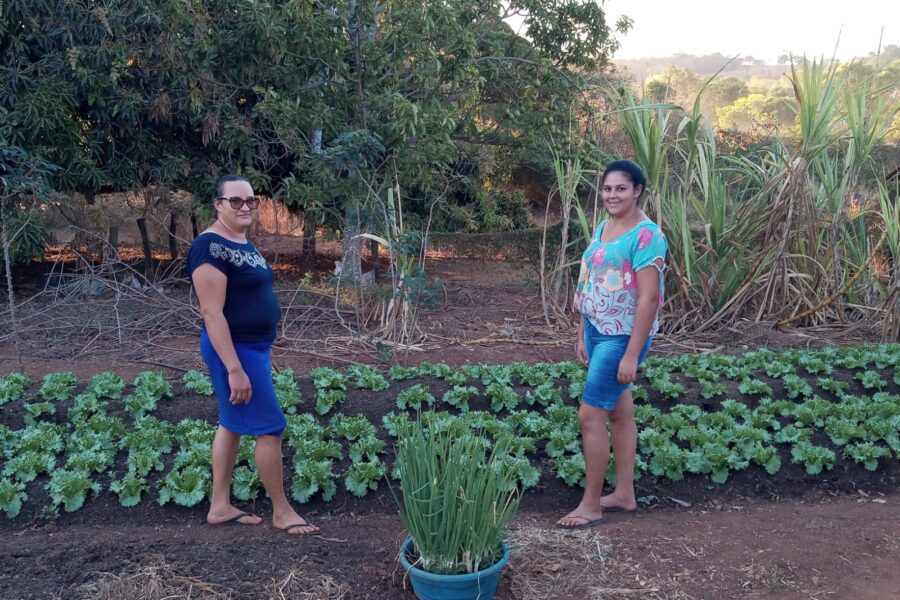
[
  {"x": 632, "y": 170},
  {"x": 220, "y": 184}
]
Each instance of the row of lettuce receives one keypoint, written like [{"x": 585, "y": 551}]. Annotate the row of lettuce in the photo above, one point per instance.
[{"x": 79, "y": 446}]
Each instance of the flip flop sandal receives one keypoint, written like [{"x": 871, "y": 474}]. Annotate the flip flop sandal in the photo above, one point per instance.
[
  {"x": 287, "y": 529},
  {"x": 588, "y": 523},
  {"x": 607, "y": 509},
  {"x": 236, "y": 519}
]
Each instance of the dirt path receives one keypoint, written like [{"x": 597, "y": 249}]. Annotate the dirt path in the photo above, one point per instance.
[{"x": 840, "y": 548}]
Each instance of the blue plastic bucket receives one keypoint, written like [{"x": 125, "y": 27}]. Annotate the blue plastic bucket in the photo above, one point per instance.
[{"x": 481, "y": 585}]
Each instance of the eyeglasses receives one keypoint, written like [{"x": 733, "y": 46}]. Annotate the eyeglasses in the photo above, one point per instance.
[{"x": 237, "y": 202}]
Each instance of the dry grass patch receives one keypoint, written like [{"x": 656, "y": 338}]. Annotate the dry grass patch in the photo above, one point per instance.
[
  {"x": 155, "y": 581},
  {"x": 555, "y": 564},
  {"x": 161, "y": 581},
  {"x": 297, "y": 585}
]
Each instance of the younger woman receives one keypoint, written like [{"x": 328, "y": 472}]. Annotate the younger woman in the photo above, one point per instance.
[{"x": 620, "y": 290}]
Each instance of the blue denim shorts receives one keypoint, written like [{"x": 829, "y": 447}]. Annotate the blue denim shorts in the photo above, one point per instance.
[{"x": 601, "y": 389}]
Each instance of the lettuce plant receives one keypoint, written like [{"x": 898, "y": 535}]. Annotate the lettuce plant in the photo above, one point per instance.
[
  {"x": 570, "y": 469},
  {"x": 106, "y": 385},
  {"x": 366, "y": 449},
  {"x": 86, "y": 405},
  {"x": 415, "y": 397},
  {"x": 26, "y": 465},
  {"x": 364, "y": 476},
  {"x": 814, "y": 458},
  {"x": 367, "y": 378},
  {"x": 129, "y": 489},
  {"x": 153, "y": 384},
  {"x": 459, "y": 396},
  {"x": 287, "y": 390},
  {"x": 58, "y": 386},
  {"x": 70, "y": 488},
  {"x": 312, "y": 476},
  {"x": 352, "y": 428},
  {"x": 871, "y": 380},
  {"x": 13, "y": 386},
  {"x": 186, "y": 486},
  {"x": 325, "y": 378},
  {"x": 867, "y": 454},
  {"x": 12, "y": 497},
  {"x": 245, "y": 483},
  {"x": 328, "y": 398},
  {"x": 502, "y": 396},
  {"x": 197, "y": 382}
]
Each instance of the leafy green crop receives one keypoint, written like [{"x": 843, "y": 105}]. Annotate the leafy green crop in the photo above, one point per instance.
[
  {"x": 867, "y": 454},
  {"x": 140, "y": 403},
  {"x": 367, "y": 378},
  {"x": 198, "y": 382},
  {"x": 502, "y": 396},
  {"x": 570, "y": 469},
  {"x": 129, "y": 489},
  {"x": 86, "y": 405},
  {"x": 286, "y": 390},
  {"x": 545, "y": 394},
  {"x": 814, "y": 458},
  {"x": 325, "y": 378},
  {"x": 399, "y": 373},
  {"x": 311, "y": 477},
  {"x": 12, "y": 497},
  {"x": 522, "y": 470},
  {"x": 751, "y": 387},
  {"x": 106, "y": 385},
  {"x": 459, "y": 396},
  {"x": 27, "y": 465},
  {"x": 366, "y": 449},
  {"x": 871, "y": 380},
  {"x": 153, "y": 384},
  {"x": 34, "y": 411},
  {"x": 364, "y": 476},
  {"x": 186, "y": 486},
  {"x": 58, "y": 386},
  {"x": 796, "y": 386},
  {"x": 326, "y": 399},
  {"x": 352, "y": 428},
  {"x": 415, "y": 397},
  {"x": 13, "y": 386},
  {"x": 70, "y": 488},
  {"x": 246, "y": 483}
]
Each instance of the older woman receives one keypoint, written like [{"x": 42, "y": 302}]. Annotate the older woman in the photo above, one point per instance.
[{"x": 240, "y": 312}]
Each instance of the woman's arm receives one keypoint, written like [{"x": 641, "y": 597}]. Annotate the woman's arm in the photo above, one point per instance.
[
  {"x": 210, "y": 284},
  {"x": 647, "y": 305},
  {"x": 579, "y": 347}
]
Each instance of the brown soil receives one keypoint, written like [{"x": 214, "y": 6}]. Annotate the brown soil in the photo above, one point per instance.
[{"x": 789, "y": 537}]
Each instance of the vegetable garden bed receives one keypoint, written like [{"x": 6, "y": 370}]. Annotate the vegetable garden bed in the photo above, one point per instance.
[{"x": 761, "y": 423}]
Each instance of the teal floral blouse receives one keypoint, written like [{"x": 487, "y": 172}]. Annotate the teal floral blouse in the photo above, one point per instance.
[{"x": 607, "y": 285}]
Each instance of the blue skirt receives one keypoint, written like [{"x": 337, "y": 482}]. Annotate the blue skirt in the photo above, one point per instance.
[
  {"x": 263, "y": 414},
  {"x": 602, "y": 389}
]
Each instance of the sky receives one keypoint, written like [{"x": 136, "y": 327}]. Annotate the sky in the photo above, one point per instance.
[{"x": 759, "y": 28}]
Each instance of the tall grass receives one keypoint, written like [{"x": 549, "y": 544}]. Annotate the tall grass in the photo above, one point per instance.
[{"x": 782, "y": 235}]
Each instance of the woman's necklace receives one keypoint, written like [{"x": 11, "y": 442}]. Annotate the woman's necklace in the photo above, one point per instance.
[{"x": 240, "y": 236}]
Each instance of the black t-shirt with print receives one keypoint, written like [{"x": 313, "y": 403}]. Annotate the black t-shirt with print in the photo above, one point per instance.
[{"x": 251, "y": 308}]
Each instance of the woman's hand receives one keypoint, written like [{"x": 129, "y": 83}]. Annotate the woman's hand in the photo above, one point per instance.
[
  {"x": 580, "y": 352},
  {"x": 240, "y": 386},
  {"x": 627, "y": 370}
]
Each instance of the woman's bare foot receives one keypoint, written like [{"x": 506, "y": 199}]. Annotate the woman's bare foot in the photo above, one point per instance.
[
  {"x": 619, "y": 501},
  {"x": 293, "y": 524},
  {"x": 231, "y": 514}
]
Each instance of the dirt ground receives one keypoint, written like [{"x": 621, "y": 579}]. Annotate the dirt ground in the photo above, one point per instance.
[{"x": 836, "y": 537}]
